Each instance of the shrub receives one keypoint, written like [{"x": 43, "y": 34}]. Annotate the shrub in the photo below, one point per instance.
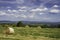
[{"x": 20, "y": 24}]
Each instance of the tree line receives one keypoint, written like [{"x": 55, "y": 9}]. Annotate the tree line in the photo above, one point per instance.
[{"x": 20, "y": 24}]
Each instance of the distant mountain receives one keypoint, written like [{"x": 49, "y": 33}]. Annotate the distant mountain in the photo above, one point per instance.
[
  {"x": 38, "y": 22},
  {"x": 29, "y": 22},
  {"x": 11, "y": 22}
]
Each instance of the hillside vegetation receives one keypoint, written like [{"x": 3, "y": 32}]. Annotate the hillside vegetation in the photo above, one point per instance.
[{"x": 31, "y": 33}]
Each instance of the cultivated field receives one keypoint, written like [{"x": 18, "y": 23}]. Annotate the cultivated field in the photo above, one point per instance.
[{"x": 31, "y": 33}]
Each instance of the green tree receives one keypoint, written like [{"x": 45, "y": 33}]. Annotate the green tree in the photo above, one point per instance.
[
  {"x": 20, "y": 24},
  {"x": 44, "y": 26}
]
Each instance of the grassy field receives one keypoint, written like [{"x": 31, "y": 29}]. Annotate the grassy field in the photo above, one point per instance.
[{"x": 27, "y": 33}]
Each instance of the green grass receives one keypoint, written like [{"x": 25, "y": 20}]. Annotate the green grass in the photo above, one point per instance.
[{"x": 27, "y": 33}]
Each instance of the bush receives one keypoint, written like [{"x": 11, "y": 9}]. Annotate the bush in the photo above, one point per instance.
[{"x": 20, "y": 24}]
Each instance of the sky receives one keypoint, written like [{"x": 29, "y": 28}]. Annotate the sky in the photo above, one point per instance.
[{"x": 30, "y": 10}]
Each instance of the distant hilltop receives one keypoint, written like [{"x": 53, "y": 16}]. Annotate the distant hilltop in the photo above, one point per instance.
[
  {"x": 29, "y": 22},
  {"x": 11, "y": 22}
]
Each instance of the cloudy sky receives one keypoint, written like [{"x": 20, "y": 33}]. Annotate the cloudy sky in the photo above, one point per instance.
[{"x": 30, "y": 10}]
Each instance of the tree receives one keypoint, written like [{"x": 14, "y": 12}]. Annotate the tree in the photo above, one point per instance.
[
  {"x": 20, "y": 24},
  {"x": 44, "y": 26},
  {"x": 58, "y": 25}
]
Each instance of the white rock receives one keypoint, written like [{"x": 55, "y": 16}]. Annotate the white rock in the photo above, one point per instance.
[{"x": 11, "y": 30}]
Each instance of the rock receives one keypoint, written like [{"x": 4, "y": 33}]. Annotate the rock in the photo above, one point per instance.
[{"x": 9, "y": 30}]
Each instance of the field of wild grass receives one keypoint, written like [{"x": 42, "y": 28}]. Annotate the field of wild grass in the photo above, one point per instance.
[{"x": 31, "y": 33}]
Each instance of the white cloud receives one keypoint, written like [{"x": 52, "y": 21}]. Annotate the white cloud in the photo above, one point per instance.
[
  {"x": 22, "y": 10},
  {"x": 24, "y": 16},
  {"x": 2, "y": 13},
  {"x": 11, "y": 14},
  {"x": 17, "y": 15},
  {"x": 39, "y": 9},
  {"x": 55, "y": 6},
  {"x": 33, "y": 10},
  {"x": 32, "y": 15},
  {"x": 41, "y": 13},
  {"x": 54, "y": 10},
  {"x": 14, "y": 10},
  {"x": 7, "y": 14},
  {"x": 9, "y": 10},
  {"x": 22, "y": 7}
]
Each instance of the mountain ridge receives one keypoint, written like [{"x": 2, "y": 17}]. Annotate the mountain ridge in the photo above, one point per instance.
[{"x": 29, "y": 22}]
